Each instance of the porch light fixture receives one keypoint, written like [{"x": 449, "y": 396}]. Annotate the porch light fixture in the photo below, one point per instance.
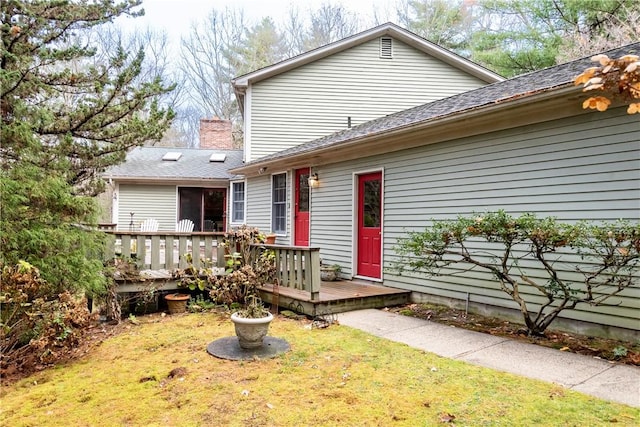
[{"x": 313, "y": 180}]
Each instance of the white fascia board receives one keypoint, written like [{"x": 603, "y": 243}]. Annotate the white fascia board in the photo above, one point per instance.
[{"x": 387, "y": 29}]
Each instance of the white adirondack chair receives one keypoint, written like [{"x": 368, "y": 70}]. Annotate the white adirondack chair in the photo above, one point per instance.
[
  {"x": 149, "y": 224},
  {"x": 184, "y": 226}
]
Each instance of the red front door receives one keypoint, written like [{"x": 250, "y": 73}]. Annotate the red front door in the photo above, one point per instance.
[
  {"x": 369, "y": 225},
  {"x": 301, "y": 213}
]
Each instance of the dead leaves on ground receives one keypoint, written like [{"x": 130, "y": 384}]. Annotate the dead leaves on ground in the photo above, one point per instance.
[{"x": 446, "y": 417}]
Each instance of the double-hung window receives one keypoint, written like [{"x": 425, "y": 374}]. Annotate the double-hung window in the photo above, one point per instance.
[
  {"x": 279, "y": 203},
  {"x": 237, "y": 201}
]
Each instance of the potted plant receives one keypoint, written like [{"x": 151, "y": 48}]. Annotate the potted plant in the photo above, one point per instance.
[
  {"x": 330, "y": 273},
  {"x": 251, "y": 323},
  {"x": 177, "y": 302},
  {"x": 244, "y": 274}
]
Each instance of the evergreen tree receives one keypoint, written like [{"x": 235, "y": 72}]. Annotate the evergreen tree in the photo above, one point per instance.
[
  {"x": 262, "y": 45},
  {"x": 520, "y": 36},
  {"x": 68, "y": 113},
  {"x": 443, "y": 22}
]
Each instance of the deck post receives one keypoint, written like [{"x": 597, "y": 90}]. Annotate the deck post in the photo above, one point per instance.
[
  {"x": 195, "y": 252},
  {"x": 221, "y": 262},
  {"x": 169, "y": 261},
  {"x": 314, "y": 269},
  {"x": 141, "y": 251},
  {"x": 126, "y": 246},
  {"x": 182, "y": 250},
  {"x": 155, "y": 252}
]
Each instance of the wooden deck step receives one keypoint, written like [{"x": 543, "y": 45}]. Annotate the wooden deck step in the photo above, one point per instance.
[{"x": 335, "y": 297}]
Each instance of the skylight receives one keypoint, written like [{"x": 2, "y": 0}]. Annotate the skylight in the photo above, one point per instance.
[
  {"x": 172, "y": 156},
  {"x": 217, "y": 157}
]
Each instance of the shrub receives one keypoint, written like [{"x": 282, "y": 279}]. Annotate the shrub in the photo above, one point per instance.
[
  {"x": 36, "y": 325},
  {"x": 247, "y": 266},
  {"x": 574, "y": 263}
]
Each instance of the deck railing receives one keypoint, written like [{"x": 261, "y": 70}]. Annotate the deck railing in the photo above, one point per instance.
[
  {"x": 297, "y": 267},
  {"x": 166, "y": 250}
]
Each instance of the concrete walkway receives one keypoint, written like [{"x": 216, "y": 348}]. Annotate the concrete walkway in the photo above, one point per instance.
[{"x": 596, "y": 377}]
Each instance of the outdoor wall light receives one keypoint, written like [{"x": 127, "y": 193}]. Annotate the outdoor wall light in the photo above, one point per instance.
[{"x": 313, "y": 180}]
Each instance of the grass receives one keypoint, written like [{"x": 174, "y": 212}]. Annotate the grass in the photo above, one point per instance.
[{"x": 334, "y": 376}]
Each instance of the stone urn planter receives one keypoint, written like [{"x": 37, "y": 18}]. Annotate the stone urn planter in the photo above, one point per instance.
[
  {"x": 177, "y": 303},
  {"x": 251, "y": 332},
  {"x": 329, "y": 273}
]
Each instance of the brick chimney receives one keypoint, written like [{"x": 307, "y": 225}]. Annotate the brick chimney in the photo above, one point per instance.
[{"x": 215, "y": 133}]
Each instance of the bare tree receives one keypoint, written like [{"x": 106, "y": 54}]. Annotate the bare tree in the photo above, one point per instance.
[
  {"x": 619, "y": 30},
  {"x": 155, "y": 45},
  {"x": 208, "y": 63},
  {"x": 314, "y": 28},
  {"x": 330, "y": 23},
  {"x": 294, "y": 32}
]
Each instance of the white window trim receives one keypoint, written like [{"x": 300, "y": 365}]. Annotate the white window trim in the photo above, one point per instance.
[
  {"x": 232, "y": 200},
  {"x": 286, "y": 180}
]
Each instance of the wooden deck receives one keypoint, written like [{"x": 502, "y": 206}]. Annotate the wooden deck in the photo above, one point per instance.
[
  {"x": 335, "y": 297},
  {"x": 297, "y": 269}
]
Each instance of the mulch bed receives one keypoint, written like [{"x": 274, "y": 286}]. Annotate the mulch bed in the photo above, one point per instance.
[{"x": 614, "y": 350}]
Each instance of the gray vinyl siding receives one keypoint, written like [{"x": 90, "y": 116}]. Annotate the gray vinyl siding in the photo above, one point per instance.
[
  {"x": 585, "y": 167},
  {"x": 315, "y": 100},
  {"x": 147, "y": 201}
]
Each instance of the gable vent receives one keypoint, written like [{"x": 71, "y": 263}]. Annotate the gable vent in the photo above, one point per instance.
[
  {"x": 172, "y": 156},
  {"x": 386, "y": 47}
]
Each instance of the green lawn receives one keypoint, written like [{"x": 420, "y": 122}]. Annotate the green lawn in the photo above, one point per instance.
[{"x": 334, "y": 376}]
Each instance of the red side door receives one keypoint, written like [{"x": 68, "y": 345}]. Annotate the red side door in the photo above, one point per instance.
[
  {"x": 369, "y": 225},
  {"x": 301, "y": 212}
]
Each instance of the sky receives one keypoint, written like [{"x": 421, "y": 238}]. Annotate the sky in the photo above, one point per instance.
[{"x": 175, "y": 16}]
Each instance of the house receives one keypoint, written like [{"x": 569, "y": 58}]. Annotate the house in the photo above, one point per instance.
[
  {"x": 170, "y": 184},
  {"x": 336, "y": 87},
  {"x": 522, "y": 145}
]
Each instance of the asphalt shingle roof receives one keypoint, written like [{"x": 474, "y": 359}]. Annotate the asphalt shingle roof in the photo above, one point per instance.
[
  {"x": 516, "y": 87},
  {"x": 146, "y": 162}
]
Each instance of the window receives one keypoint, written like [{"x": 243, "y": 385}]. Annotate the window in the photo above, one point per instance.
[
  {"x": 372, "y": 199},
  {"x": 237, "y": 202},
  {"x": 279, "y": 203},
  {"x": 206, "y": 207}
]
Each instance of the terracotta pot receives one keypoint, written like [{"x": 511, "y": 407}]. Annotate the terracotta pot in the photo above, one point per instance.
[
  {"x": 177, "y": 303},
  {"x": 251, "y": 332},
  {"x": 270, "y": 239}
]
